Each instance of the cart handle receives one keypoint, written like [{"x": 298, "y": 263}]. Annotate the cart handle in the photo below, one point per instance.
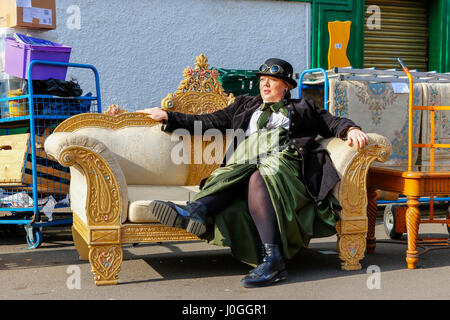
[
  {"x": 31, "y": 106},
  {"x": 300, "y": 81},
  {"x": 403, "y": 65},
  {"x": 65, "y": 64}
]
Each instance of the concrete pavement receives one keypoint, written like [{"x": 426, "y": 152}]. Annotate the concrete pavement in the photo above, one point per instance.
[{"x": 176, "y": 271}]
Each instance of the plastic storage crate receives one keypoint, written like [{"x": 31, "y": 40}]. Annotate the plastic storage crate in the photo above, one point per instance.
[
  {"x": 29, "y": 179},
  {"x": 239, "y": 82},
  {"x": 8, "y": 83},
  {"x": 18, "y": 56},
  {"x": 50, "y": 35}
]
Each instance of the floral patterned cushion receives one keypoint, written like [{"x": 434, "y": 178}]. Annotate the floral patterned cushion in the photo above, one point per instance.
[{"x": 378, "y": 109}]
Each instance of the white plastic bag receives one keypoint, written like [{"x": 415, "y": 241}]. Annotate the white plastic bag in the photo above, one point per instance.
[
  {"x": 18, "y": 200},
  {"x": 49, "y": 208}
]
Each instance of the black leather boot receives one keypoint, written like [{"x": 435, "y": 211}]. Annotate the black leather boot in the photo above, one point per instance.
[
  {"x": 190, "y": 216},
  {"x": 270, "y": 270}
]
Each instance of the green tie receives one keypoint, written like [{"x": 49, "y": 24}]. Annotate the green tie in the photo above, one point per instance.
[{"x": 267, "y": 109}]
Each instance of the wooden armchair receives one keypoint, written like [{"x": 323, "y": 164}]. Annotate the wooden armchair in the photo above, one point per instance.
[{"x": 120, "y": 162}]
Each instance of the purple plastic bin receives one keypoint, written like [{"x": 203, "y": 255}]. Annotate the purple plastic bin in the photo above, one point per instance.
[{"x": 18, "y": 56}]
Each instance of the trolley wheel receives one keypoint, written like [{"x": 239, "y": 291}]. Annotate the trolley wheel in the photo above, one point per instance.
[
  {"x": 36, "y": 239},
  {"x": 389, "y": 222}
]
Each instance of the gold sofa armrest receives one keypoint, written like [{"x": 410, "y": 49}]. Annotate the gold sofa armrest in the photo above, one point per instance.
[
  {"x": 98, "y": 187},
  {"x": 351, "y": 192},
  {"x": 104, "y": 185}
]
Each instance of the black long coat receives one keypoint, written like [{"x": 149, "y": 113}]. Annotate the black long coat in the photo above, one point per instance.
[{"x": 306, "y": 122}]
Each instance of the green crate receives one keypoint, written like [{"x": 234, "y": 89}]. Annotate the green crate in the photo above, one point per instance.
[
  {"x": 239, "y": 82},
  {"x": 237, "y": 73},
  {"x": 14, "y": 131}
]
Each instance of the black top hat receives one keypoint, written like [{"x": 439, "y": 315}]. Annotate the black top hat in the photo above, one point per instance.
[{"x": 278, "y": 68}]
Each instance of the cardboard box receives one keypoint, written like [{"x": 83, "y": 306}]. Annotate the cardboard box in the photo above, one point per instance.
[
  {"x": 12, "y": 158},
  {"x": 30, "y": 14},
  {"x": 16, "y": 167}
]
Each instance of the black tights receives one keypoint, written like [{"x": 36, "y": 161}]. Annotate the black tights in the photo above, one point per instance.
[{"x": 259, "y": 205}]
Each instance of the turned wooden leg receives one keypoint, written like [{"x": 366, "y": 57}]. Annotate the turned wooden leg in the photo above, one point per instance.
[
  {"x": 106, "y": 261},
  {"x": 372, "y": 217},
  {"x": 412, "y": 227},
  {"x": 80, "y": 244}
]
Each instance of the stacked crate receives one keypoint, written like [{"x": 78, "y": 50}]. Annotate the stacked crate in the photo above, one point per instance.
[
  {"x": 16, "y": 171},
  {"x": 239, "y": 82}
]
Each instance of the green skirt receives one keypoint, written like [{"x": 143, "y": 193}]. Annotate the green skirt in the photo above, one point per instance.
[{"x": 299, "y": 217}]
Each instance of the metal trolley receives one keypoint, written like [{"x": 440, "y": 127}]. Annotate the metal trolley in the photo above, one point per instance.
[
  {"x": 318, "y": 79},
  {"x": 31, "y": 184}
]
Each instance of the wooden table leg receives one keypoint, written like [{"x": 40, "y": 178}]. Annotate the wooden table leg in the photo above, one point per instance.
[
  {"x": 372, "y": 217},
  {"x": 412, "y": 227}
]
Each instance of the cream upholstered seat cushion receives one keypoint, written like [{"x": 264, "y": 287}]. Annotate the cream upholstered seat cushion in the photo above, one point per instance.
[{"x": 140, "y": 198}]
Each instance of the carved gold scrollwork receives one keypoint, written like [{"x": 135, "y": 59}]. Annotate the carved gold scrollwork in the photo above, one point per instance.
[
  {"x": 115, "y": 110},
  {"x": 114, "y": 122},
  {"x": 103, "y": 196},
  {"x": 132, "y": 233},
  {"x": 351, "y": 249},
  {"x": 353, "y": 193},
  {"x": 98, "y": 236},
  {"x": 199, "y": 92},
  {"x": 105, "y": 262},
  {"x": 168, "y": 102},
  {"x": 353, "y": 199}
]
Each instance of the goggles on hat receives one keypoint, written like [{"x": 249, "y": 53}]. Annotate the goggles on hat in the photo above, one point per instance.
[{"x": 273, "y": 69}]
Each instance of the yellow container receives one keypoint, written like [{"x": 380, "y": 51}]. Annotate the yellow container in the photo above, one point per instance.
[{"x": 17, "y": 108}]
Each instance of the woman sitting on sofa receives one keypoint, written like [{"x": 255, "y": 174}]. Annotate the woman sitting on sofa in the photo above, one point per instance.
[{"x": 270, "y": 198}]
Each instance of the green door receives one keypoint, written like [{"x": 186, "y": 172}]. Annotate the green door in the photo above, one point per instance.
[
  {"x": 324, "y": 11},
  {"x": 439, "y": 29}
]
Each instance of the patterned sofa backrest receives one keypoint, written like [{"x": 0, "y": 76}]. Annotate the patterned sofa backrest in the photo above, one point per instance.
[
  {"x": 141, "y": 148},
  {"x": 147, "y": 155},
  {"x": 199, "y": 92}
]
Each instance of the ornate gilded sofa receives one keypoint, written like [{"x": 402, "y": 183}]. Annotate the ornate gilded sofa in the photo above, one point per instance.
[{"x": 120, "y": 161}]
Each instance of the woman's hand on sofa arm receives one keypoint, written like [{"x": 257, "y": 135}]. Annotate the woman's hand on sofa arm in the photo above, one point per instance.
[
  {"x": 156, "y": 114},
  {"x": 357, "y": 137}
]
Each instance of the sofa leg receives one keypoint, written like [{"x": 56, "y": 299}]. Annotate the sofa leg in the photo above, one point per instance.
[
  {"x": 80, "y": 244},
  {"x": 372, "y": 217},
  {"x": 106, "y": 261},
  {"x": 351, "y": 249}
]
